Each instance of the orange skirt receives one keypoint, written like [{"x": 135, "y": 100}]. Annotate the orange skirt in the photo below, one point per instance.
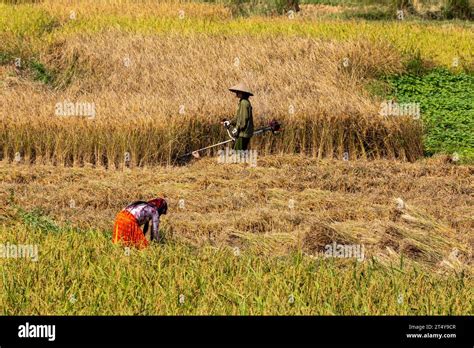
[{"x": 128, "y": 232}]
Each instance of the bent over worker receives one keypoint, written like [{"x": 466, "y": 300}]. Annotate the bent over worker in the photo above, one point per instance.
[
  {"x": 243, "y": 121},
  {"x": 127, "y": 223}
]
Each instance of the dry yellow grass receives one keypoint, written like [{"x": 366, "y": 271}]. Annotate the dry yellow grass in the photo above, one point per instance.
[
  {"x": 157, "y": 97},
  {"x": 137, "y": 9},
  {"x": 236, "y": 205},
  {"x": 157, "y": 73}
]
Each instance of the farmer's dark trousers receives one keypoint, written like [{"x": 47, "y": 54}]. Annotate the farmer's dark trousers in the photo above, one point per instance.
[{"x": 242, "y": 144}]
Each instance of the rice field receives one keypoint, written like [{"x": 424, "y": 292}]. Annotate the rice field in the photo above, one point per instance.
[
  {"x": 163, "y": 110},
  {"x": 98, "y": 100},
  {"x": 179, "y": 280},
  {"x": 245, "y": 241},
  {"x": 309, "y": 74}
]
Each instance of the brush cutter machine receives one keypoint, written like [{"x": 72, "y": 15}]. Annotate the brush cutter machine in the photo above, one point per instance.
[{"x": 274, "y": 127}]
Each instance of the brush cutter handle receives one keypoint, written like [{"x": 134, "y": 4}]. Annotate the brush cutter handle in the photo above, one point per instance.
[
  {"x": 274, "y": 126},
  {"x": 230, "y": 131}
]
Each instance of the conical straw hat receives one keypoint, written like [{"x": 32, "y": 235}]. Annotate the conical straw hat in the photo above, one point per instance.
[{"x": 241, "y": 87}]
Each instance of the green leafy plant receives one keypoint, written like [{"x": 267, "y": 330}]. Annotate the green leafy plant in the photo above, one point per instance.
[
  {"x": 37, "y": 220},
  {"x": 40, "y": 72},
  {"x": 447, "y": 109}
]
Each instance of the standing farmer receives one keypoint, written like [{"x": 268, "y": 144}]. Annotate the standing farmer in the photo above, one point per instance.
[
  {"x": 127, "y": 223},
  {"x": 243, "y": 121}
]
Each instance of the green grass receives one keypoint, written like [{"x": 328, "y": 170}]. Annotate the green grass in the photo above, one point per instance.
[
  {"x": 29, "y": 30},
  {"x": 83, "y": 273},
  {"x": 447, "y": 109},
  {"x": 38, "y": 221},
  {"x": 40, "y": 72},
  {"x": 25, "y": 20}
]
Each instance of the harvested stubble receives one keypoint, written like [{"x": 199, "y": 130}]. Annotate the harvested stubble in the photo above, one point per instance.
[
  {"x": 172, "y": 95},
  {"x": 235, "y": 205}
]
